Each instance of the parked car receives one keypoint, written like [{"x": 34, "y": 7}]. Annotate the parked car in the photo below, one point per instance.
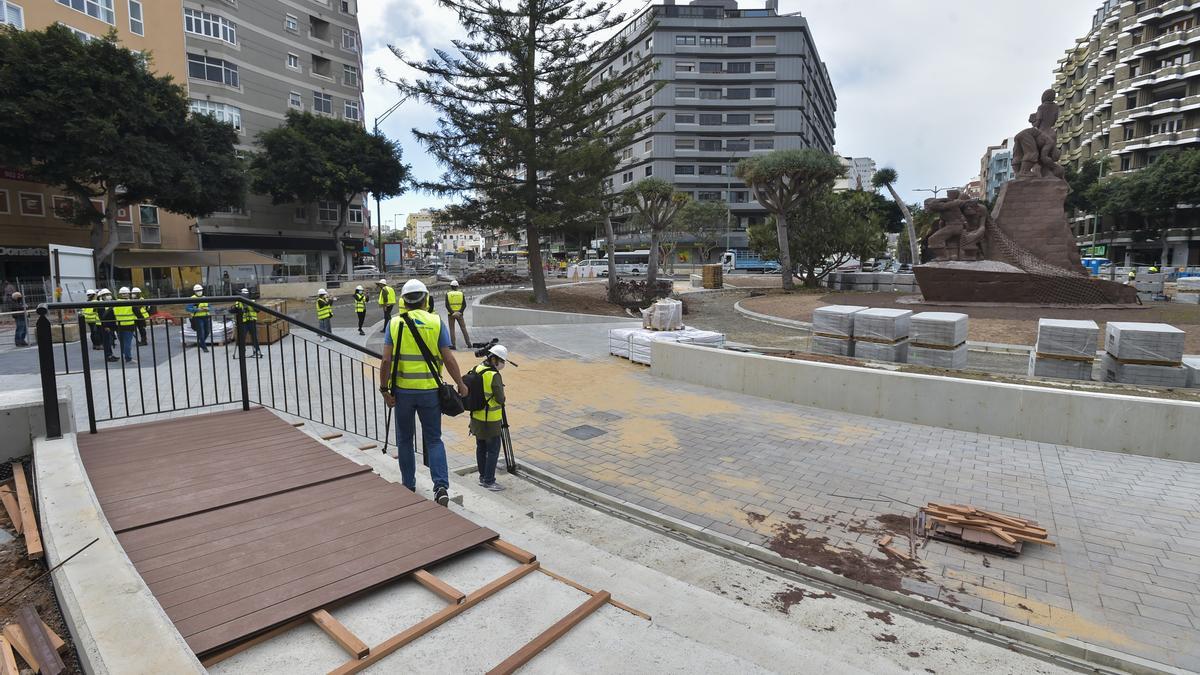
[{"x": 366, "y": 271}]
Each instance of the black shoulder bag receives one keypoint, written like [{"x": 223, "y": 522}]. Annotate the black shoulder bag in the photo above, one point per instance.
[{"x": 448, "y": 398}]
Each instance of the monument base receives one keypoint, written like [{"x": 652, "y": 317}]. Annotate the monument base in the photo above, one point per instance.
[{"x": 965, "y": 283}]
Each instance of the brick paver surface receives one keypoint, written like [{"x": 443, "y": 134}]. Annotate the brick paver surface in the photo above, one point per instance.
[{"x": 1125, "y": 573}]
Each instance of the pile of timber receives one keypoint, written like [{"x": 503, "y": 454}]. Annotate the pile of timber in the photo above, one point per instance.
[
  {"x": 965, "y": 524},
  {"x": 34, "y": 641},
  {"x": 18, "y": 503}
]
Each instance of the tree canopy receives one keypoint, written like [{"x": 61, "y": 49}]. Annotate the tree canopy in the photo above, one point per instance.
[
  {"x": 707, "y": 222},
  {"x": 654, "y": 202},
  {"x": 782, "y": 181},
  {"x": 313, "y": 158},
  {"x": 1150, "y": 198},
  {"x": 886, "y": 178},
  {"x": 93, "y": 118}
]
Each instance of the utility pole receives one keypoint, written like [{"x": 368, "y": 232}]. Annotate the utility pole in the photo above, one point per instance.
[{"x": 378, "y": 213}]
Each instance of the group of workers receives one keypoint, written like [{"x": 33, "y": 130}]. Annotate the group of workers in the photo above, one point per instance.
[
  {"x": 119, "y": 323},
  {"x": 456, "y": 304}
]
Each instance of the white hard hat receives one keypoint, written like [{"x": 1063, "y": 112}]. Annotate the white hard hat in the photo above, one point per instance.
[
  {"x": 454, "y": 283},
  {"x": 499, "y": 351},
  {"x": 413, "y": 287},
  {"x": 382, "y": 282},
  {"x": 135, "y": 289},
  {"x": 90, "y": 291},
  {"x": 124, "y": 290},
  {"x": 322, "y": 292},
  {"x": 17, "y": 295},
  {"x": 358, "y": 287},
  {"x": 103, "y": 291},
  {"x": 197, "y": 287},
  {"x": 245, "y": 291}
]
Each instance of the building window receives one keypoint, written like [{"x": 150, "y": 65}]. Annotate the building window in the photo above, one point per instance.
[
  {"x": 740, "y": 118},
  {"x": 707, "y": 145},
  {"x": 327, "y": 212},
  {"x": 63, "y": 207},
  {"x": 737, "y": 145},
  {"x": 764, "y": 66},
  {"x": 349, "y": 40},
  {"x": 685, "y": 118},
  {"x": 685, "y": 66},
  {"x": 1167, "y": 126},
  {"x": 1129, "y": 132},
  {"x": 685, "y": 92},
  {"x": 710, "y": 94},
  {"x": 350, "y": 76},
  {"x": 710, "y": 66},
  {"x": 209, "y": 25},
  {"x": 710, "y": 119},
  {"x": 80, "y": 35},
  {"x": 712, "y": 40},
  {"x": 764, "y": 40},
  {"x": 685, "y": 39},
  {"x": 649, "y": 170},
  {"x": 137, "y": 24},
  {"x": 291, "y": 23},
  {"x": 739, "y": 197},
  {"x": 148, "y": 214},
  {"x": 12, "y": 15},
  {"x": 764, "y": 92},
  {"x": 627, "y": 153},
  {"x": 293, "y": 61},
  {"x": 225, "y": 113},
  {"x": 1125, "y": 162},
  {"x": 737, "y": 41},
  {"x": 764, "y": 118},
  {"x": 301, "y": 214},
  {"x": 738, "y": 93},
  {"x": 685, "y": 170},
  {"x": 211, "y": 69},
  {"x": 764, "y": 144},
  {"x": 4, "y": 207},
  {"x": 295, "y": 100},
  {"x": 350, "y": 111},
  {"x": 717, "y": 170},
  {"x": 1180, "y": 59},
  {"x": 648, "y": 146},
  {"x": 99, "y": 9},
  {"x": 322, "y": 103},
  {"x": 1131, "y": 101},
  {"x": 32, "y": 204},
  {"x": 685, "y": 144},
  {"x": 355, "y": 214},
  {"x": 627, "y": 177},
  {"x": 737, "y": 67}
]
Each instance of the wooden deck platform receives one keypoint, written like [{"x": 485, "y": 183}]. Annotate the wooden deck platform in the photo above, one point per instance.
[{"x": 238, "y": 522}]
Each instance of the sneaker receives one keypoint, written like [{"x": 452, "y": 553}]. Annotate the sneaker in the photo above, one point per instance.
[
  {"x": 494, "y": 487},
  {"x": 112, "y": 359},
  {"x": 258, "y": 355},
  {"x": 441, "y": 496},
  {"x": 360, "y": 332}
]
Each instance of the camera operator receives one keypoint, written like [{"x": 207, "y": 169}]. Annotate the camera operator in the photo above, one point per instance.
[{"x": 487, "y": 422}]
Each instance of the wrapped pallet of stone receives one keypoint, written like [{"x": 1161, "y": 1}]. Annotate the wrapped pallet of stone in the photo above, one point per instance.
[
  {"x": 1144, "y": 353},
  {"x": 833, "y": 329},
  {"x": 1187, "y": 290},
  {"x": 1065, "y": 349},
  {"x": 881, "y": 334},
  {"x": 618, "y": 341},
  {"x": 1192, "y": 365},
  {"x": 938, "y": 339}
]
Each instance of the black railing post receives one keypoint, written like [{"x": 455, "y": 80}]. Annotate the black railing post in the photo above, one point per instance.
[
  {"x": 84, "y": 352},
  {"x": 49, "y": 382},
  {"x": 241, "y": 354}
]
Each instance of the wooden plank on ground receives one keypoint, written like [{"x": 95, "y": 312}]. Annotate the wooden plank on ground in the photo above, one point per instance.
[
  {"x": 580, "y": 587},
  {"x": 390, "y": 645},
  {"x": 8, "y": 662},
  {"x": 240, "y": 647},
  {"x": 55, "y": 641},
  {"x": 340, "y": 634},
  {"x": 330, "y": 437},
  {"x": 520, "y": 555},
  {"x": 550, "y": 635},
  {"x": 439, "y": 587},
  {"x": 38, "y": 641},
  {"x": 33, "y": 538},
  {"x": 9, "y": 497}
]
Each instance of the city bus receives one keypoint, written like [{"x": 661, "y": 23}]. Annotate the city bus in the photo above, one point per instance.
[{"x": 633, "y": 263}]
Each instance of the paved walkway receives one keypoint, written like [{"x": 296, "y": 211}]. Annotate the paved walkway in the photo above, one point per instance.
[{"x": 822, "y": 486}]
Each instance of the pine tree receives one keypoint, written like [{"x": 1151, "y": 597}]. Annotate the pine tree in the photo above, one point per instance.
[{"x": 519, "y": 104}]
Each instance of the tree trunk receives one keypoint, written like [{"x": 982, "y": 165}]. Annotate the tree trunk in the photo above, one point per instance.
[
  {"x": 102, "y": 250},
  {"x": 537, "y": 275},
  {"x": 785, "y": 253},
  {"x": 611, "y": 253},
  {"x": 338, "y": 231},
  {"x": 914, "y": 247},
  {"x": 652, "y": 271}
]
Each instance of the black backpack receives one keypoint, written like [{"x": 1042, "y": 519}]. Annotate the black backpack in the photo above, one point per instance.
[{"x": 475, "y": 399}]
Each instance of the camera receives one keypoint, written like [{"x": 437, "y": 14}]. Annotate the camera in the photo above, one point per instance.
[{"x": 483, "y": 347}]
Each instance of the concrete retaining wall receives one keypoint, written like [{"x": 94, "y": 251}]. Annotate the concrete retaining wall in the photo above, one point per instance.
[
  {"x": 22, "y": 418},
  {"x": 1115, "y": 423},
  {"x": 491, "y": 316}
]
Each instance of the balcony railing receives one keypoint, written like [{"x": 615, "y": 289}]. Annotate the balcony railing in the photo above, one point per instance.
[
  {"x": 1161, "y": 107},
  {"x": 1170, "y": 138}
]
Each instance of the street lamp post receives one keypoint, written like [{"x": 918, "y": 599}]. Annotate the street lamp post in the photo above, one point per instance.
[
  {"x": 378, "y": 214},
  {"x": 935, "y": 190}
]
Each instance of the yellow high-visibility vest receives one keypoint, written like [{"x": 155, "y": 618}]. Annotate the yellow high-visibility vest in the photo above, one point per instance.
[
  {"x": 409, "y": 370},
  {"x": 491, "y": 411},
  {"x": 124, "y": 316},
  {"x": 90, "y": 315},
  {"x": 248, "y": 313},
  {"x": 387, "y": 296},
  {"x": 201, "y": 309},
  {"x": 360, "y": 302},
  {"x": 456, "y": 300},
  {"x": 324, "y": 309}
]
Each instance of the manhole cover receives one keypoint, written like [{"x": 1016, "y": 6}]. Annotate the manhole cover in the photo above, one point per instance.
[
  {"x": 606, "y": 416},
  {"x": 584, "y": 432}
]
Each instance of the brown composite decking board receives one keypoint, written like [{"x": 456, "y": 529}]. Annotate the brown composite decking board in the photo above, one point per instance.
[{"x": 239, "y": 522}]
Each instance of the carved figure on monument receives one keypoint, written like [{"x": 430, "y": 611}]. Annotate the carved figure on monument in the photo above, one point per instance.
[
  {"x": 970, "y": 243},
  {"x": 943, "y": 242},
  {"x": 1035, "y": 150}
]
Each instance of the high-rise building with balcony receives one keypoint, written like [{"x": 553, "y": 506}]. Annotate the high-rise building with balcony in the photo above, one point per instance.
[
  {"x": 737, "y": 83},
  {"x": 859, "y": 171},
  {"x": 1129, "y": 91},
  {"x": 995, "y": 169}
]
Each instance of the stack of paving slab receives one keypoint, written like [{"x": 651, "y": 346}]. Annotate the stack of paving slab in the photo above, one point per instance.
[
  {"x": 938, "y": 339},
  {"x": 1187, "y": 289},
  {"x": 1065, "y": 349},
  {"x": 618, "y": 341},
  {"x": 635, "y": 344},
  {"x": 881, "y": 334},
  {"x": 833, "y": 329},
  {"x": 1144, "y": 353},
  {"x": 1192, "y": 365}
]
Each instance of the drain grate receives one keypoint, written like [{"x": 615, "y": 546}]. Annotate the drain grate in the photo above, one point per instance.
[
  {"x": 606, "y": 416},
  {"x": 584, "y": 432}
]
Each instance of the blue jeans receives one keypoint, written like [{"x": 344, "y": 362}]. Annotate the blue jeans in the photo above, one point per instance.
[
  {"x": 425, "y": 405},
  {"x": 250, "y": 335},
  {"x": 22, "y": 329},
  {"x": 203, "y": 326},
  {"x": 325, "y": 325},
  {"x": 126, "y": 337},
  {"x": 487, "y": 453}
]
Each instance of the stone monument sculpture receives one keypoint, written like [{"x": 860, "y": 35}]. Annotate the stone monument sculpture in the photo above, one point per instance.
[{"x": 1023, "y": 251}]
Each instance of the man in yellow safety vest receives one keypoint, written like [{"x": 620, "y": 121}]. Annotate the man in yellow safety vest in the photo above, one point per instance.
[
  {"x": 125, "y": 319},
  {"x": 201, "y": 320},
  {"x": 456, "y": 304},
  {"x": 387, "y": 301},
  {"x": 249, "y": 323},
  {"x": 360, "y": 307},
  {"x": 409, "y": 383},
  {"x": 324, "y": 312},
  {"x": 143, "y": 315},
  {"x": 92, "y": 317},
  {"x": 487, "y": 422}
]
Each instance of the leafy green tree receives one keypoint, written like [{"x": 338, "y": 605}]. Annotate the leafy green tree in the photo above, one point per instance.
[
  {"x": 93, "y": 118},
  {"x": 1081, "y": 181},
  {"x": 825, "y": 231},
  {"x": 517, "y": 105},
  {"x": 782, "y": 181},
  {"x": 654, "y": 202},
  {"x": 1152, "y": 197},
  {"x": 312, "y": 158},
  {"x": 706, "y": 221},
  {"x": 886, "y": 178}
]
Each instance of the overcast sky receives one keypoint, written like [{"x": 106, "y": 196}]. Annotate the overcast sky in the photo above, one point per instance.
[{"x": 923, "y": 86}]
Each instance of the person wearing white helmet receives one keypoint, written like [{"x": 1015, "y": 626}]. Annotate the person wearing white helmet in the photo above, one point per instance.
[
  {"x": 143, "y": 315},
  {"x": 17, "y": 304},
  {"x": 249, "y": 324},
  {"x": 324, "y": 312},
  {"x": 456, "y": 305},
  {"x": 201, "y": 319},
  {"x": 125, "y": 320},
  {"x": 360, "y": 306},
  {"x": 92, "y": 317},
  {"x": 108, "y": 324},
  {"x": 485, "y": 400},
  {"x": 387, "y": 301},
  {"x": 409, "y": 382}
]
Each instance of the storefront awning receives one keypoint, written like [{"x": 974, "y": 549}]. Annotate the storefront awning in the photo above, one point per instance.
[{"x": 157, "y": 258}]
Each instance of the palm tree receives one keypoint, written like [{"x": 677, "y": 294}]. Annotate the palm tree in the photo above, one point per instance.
[{"x": 887, "y": 178}]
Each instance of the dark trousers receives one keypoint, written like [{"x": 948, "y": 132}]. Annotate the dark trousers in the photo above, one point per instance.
[
  {"x": 487, "y": 453},
  {"x": 387, "y": 317},
  {"x": 106, "y": 337},
  {"x": 250, "y": 335},
  {"x": 362, "y": 316},
  {"x": 22, "y": 330},
  {"x": 141, "y": 329},
  {"x": 97, "y": 334}
]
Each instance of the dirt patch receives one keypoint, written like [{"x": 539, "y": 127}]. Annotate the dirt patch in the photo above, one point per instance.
[
  {"x": 886, "y": 637},
  {"x": 897, "y": 524},
  {"x": 915, "y": 655},
  {"x": 755, "y": 518},
  {"x": 785, "y": 600},
  {"x": 883, "y": 615},
  {"x": 576, "y": 299},
  {"x": 16, "y": 571}
]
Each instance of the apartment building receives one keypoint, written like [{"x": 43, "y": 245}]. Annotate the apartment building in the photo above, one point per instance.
[
  {"x": 737, "y": 82},
  {"x": 995, "y": 169},
  {"x": 31, "y": 213},
  {"x": 249, "y": 63},
  {"x": 859, "y": 172},
  {"x": 1129, "y": 91}
]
